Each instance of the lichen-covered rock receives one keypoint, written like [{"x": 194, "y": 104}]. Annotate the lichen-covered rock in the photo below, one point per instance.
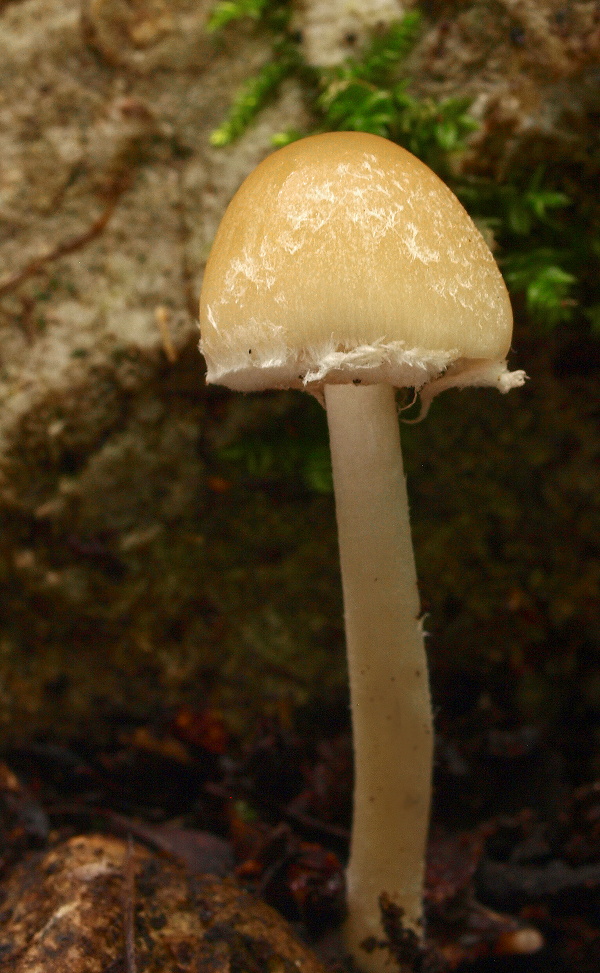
[
  {"x": 80, "y": 906},
  {"x": 532, "y": 69},
  {"x": 160, "y": 34}
]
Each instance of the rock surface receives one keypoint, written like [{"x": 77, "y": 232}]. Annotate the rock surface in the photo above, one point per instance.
[
  {"x": 109, "y": 199},
  {"x": 92, "y": 900}
]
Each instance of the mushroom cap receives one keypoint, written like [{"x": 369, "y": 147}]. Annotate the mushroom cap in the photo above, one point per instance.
[{"x": 343, "y": 258}]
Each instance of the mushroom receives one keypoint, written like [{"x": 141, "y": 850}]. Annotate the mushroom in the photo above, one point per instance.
[{"x": 345, "y": 267}]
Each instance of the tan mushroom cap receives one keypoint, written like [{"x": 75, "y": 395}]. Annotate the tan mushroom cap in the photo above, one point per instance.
[{"x": 344, "y": 258}]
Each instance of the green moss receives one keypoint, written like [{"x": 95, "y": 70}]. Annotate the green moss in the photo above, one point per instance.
[
  {"x": 254, "y": 94},
  {"x": 540, "y": 246},
  {"x": 293, "y": 450},
  {"x": 266, "y": 11}
]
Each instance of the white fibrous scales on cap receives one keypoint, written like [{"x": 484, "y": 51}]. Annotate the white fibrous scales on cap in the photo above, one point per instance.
[{"x": 343, "y": 257}]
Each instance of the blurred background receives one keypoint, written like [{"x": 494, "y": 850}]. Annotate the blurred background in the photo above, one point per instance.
[{"x": 163, "y": 544}]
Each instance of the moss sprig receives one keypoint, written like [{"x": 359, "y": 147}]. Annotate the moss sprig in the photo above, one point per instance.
[
  {"x": 253, "y": 95},
  {"x": 386, "y": 50},
  {"x": 295, "y": 450},
  {"x": 543, "y": 253},
  {"x": 227, "y": 11}
]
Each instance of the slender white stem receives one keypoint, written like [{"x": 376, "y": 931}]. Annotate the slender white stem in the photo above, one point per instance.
[{"x": 389, "y": 688}]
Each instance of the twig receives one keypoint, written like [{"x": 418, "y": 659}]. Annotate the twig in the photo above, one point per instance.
[
  {"x": 61, "y": 250},
  {"x": 129, "y": 908},
  {"x": 183, "y": 230},
  {"x": 161, "y": 316}
]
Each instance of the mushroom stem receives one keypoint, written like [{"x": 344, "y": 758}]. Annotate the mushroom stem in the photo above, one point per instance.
[{"x": 391, "y": 708}]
